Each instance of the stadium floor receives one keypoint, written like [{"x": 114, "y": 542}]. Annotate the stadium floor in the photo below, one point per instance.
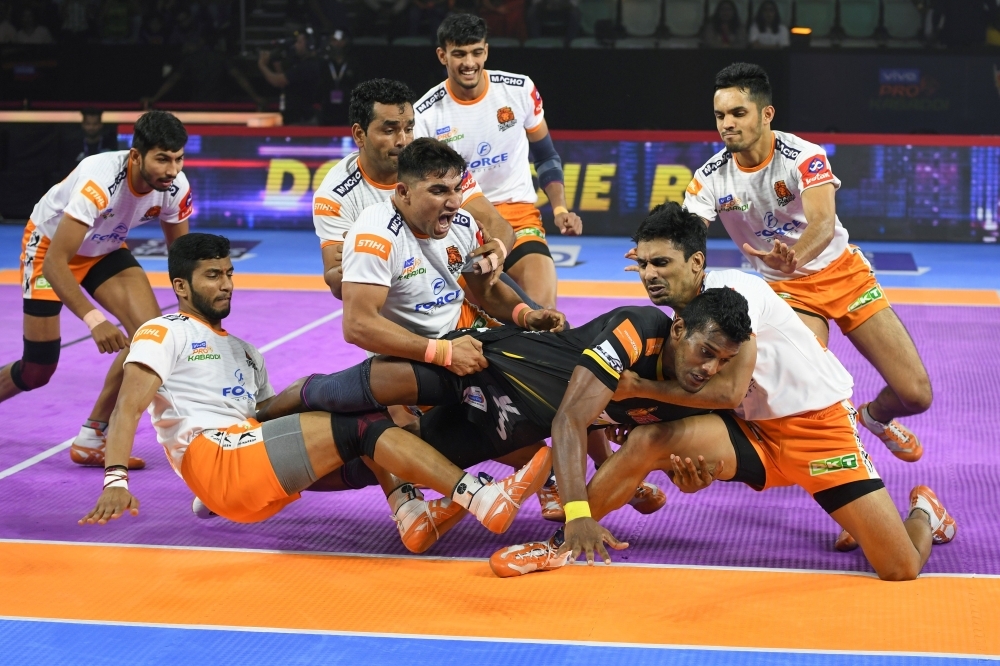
[{"x": 724, "y": 577}]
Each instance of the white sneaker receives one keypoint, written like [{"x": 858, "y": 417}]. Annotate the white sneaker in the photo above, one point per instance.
[{"x": 202, "y": 511}]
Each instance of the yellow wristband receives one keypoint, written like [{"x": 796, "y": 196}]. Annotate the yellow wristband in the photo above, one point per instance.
[
  {"x": 574, "y": 510},
  {"x": 559, "y": 210}
]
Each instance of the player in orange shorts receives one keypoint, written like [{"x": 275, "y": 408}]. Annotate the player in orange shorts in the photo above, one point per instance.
[
  {"x": 203, "y": 386},
  {"x": 76, "y": 238},
  {"x": 774, "y": 193},
  {"x": 793, "y": 424}
]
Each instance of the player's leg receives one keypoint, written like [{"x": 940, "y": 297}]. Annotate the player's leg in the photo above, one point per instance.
[
  {"x": 818, "y": 324},
  {"x": 40, "y": 354},
  {"x": 531, "y": 267}
]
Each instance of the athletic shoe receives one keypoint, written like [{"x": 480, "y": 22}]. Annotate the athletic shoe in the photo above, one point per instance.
[
  {"x": 530, "y": 557},
  {"x": 548, "y": 498},
  {"x": 648, "y": 499},
  {"x": 436, "y": 517},
  {"x": 897, "y": 438},
  {"x": 502, "y": 500},
  {"x": 88, "y": 449},
  {"x": 845, "y": 543},
  {"x": 943, "y": 526},
  {"x": 202, "y": 511}
]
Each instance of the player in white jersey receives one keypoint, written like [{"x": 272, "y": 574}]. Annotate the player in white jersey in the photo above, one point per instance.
[
  {"x": 774, "y": 193},
  {"x": 793, "y": 424},
  {"x": 76, "y": 238},
  {"x": 491, "y": 119},
  {"x": 202, "y": 387}
]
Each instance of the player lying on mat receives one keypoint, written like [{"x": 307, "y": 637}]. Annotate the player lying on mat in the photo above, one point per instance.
[
  {"x": 793, "y": 424},
  {"x": 202, "y": 387},
  {"x": 510, "y": 405}
]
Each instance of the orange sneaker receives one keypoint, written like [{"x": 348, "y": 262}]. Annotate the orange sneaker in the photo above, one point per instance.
[
  {"x": 548, "y": 499},
  {"x": 498, "y": 502},
  {"x": 845, "y": 543},
  {"x": 88, "y": 449},
  {"x": 434, "y": 520},
  {"x": 648, "y": 499},
  {"x": 897, "y": 438},
  {"x": 529, "y": 557},
  {"x": 943, "y": 526}
]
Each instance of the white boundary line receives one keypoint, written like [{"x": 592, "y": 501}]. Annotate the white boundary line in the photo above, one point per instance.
[
  {"x": 438, "y": 558},
  {"x": 504, "y": 639},
  {"x": 48, "y": 453}
]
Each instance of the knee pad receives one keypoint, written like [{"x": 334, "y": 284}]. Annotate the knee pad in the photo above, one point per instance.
[
  {"x": 355, "y": 435},
  {"x": 344, "y": 391},
  {"x": 356, "y": 474},
  {"x": 37, "y": 365}
]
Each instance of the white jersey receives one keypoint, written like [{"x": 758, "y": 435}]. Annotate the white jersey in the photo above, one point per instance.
[
  {"x": 489, "y": 132},
  {"x": 347, "y": 190},
  {"x": 795, "y": 373},
  {"x": 99, "y": 193},
  {"x": 764, "y": 203},
  {"x": 211, "y": 381},
  {"x": 422, "y": 273}
]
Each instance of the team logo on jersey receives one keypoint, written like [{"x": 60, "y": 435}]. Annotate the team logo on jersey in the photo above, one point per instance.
[
  {"x": 325, "y": 207},
  {"x": 814, "y": 171},
  {"x": 349, "y": 183},
  {"x": 372, "y": 244},
  {"x": 785, "y": 150},
  {"x": 150, "y": 214},
  {"x": 448, "y": 134},
  {"x": 505, "y": 118},
  {"x": 731, "y": 203},
  {"x": 201, "y": 351},
  {"x": 395, "y": 224},
  {"x": 629, "y": 337},
  {"x": 435, "y": 97},
  {"x": 507, "y": 80},
  {"x": 473, "y": 395},
  {"x": 484, "y": 149},
  {"x": 412, "y": 268},
  {"x": 694, "y": 187},
  {"x": 784, "y": 196},
  {"x": 455, "y": 260},
  {"x": 109, "y": 213},
  {"x": 151, "y": 332},
  {"x": 93, "y": 192},
  {"x": 438, "y": 285},
  {"x": 643, "y": 415},
  {"x": 537, "y": 98}
]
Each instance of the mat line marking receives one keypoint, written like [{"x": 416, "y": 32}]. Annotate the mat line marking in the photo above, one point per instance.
[
  {"x": 48, "y": 453},
  {"x": 439, "y": 558},
  {"x": 485, "y": 639}
]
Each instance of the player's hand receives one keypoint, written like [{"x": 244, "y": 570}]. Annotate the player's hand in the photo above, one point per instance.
[
  {"x": 264, "y": 58},
  {"x": 112, "y": 503},
  {"x": 632, "y": 256},
  {"x": 780, "y": 258},
  {"x": 467, "y": 356},
  {"x": 109, "y": 338},
  {"x": 569, "y": 224},
  {"x": 585, "y": 536},
  {"x": 491, "y": 255},
  {"x": 545, "y": 320},
  {"x": 690, "y": 477},
  {"x": 629, "y": 386},
  {"x": 616, "y": 433}
]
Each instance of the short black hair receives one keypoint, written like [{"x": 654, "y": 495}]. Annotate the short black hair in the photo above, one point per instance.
[
  {"x": 722, "y": 306},
  {"x": 670, "y": 221},
  {"x": 185, "y": 253},
  {"x": 91, "y": 111},
  {"x": 426, "y": 157},
  {"x": 749, "y": 78},
  {"x": 382, "y": 91},
  {"x": 158, "y": 129},
  {"x": 460, "y": 30}
]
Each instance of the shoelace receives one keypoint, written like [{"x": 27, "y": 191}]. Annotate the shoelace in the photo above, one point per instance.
[{"x": 894, "y": 427}]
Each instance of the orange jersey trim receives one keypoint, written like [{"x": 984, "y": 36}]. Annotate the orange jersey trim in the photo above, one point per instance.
[
  {"x": 447, "y": 86},
  {"x": 371, "y": 182},
  {"x": 760, "y": 166},
  {"x": 328, "y": 243},
  {"x": 536, "y": 127}
]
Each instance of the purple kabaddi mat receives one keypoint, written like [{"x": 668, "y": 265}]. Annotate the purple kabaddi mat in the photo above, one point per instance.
[{"x": 726, "y": 525}]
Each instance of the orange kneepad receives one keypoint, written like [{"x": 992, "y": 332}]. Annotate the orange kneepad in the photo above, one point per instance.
[
  {"x": 229, "y": 470},
  {"x": 846, "y": 291}
]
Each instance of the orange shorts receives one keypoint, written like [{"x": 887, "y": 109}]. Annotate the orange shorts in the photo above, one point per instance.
[
  {"x": 229, "y": 470},
  {"x": 33, "y": 248},
  {"x": 474, "y": 316},
  {"x": 526, "y": 220},
  {"x": 846, "y": 291},
  {"x": 817, "y": 450}
]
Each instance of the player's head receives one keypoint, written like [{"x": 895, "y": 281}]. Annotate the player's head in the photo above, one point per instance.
[
  {"x": 201, "y": 274},
  {"x": 670, "y": 251},
  {"x": 381, "y": 117},
  {"x": 91, "y": 122},
  {"x": 462, "y": 48},
  {"x": 742, "y": 105},
  {"x": 158, "y": 148},
  {"x": 707, "y": 334},
  {"x": 429, "y": 191}
]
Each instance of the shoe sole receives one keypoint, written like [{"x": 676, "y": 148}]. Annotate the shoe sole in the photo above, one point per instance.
[
  {"x": 540, "y": 478},
  {"x": 90, "y": 460},
  {"x": 910, "y": 456}
]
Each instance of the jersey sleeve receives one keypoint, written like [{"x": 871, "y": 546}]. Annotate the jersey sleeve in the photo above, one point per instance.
[
  {"x": 469, "y": 238},
  {"x": 87, "y": 202},
  {"x": 180, "y": 204},
  {"x": 813, "y": 168},
  {"x": 698, "y": 199},
  {"x": 617, "y": 347},
  {"x": 369, "y": 256},
  {"x": 534, "y": 111},
  {"x": 155, "y": 345},
  {"x": 332, "y": 216},
  {"x": 470, "y": 187},
  {"x": 264, "y": 388}
]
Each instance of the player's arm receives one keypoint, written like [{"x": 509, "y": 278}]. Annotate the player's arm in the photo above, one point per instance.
[
  {"x": 502, "y": 303},
  {"x": 66, "y": 241},
  {"x": 548, "y": 166},
  {"x": 725, "y": 390},
  {"x": 275, "y": 78},
  {"x": 139, "y": 385},
  {"x": 333, "y": 270},
  {"x": 174, "y": 230},
  {"x": 490, "y": 219},
  {"x": 820, "y": 208}
]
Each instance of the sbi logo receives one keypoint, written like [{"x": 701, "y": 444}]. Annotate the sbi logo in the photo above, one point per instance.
[
  {"x": 488, "y": 161},
  {"x": 438, "y": 285},
  {"x": 484, "y": 149}
]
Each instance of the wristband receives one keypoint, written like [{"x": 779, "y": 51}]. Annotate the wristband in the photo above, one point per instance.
[
  {"x": 438, "y": 352},
  {"x": 447, "y": 355},
  {"x": 559, "y": 210},
  {"x": 116, "y": 476},
  {"x": 94, "y": 318},
  {"x": 516, "y": 314},
  {"x": 430, "y": 351},
  {"x": 579, "y": 509}
]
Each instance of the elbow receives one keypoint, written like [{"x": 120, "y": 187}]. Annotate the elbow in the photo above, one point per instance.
[
  {"x": 352, "y": 333},
  {"x": 333, "y": 281}
]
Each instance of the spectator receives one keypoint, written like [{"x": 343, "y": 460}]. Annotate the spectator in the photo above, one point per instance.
[
  {"x": 426, "y": 16},
  {"x": 186, "y": 28},
  {"x": 341, "y": 81},
  {"x": 554, "y": 18},
  {"x": 8, "y": 32},
  {"x": 31, "y": 32},
  {"x": 767, "y": 31},
  {"x": 91, "y": 138},
  {"x": 724, "y": 29},
  {"x": 383, "y": 18},
  {"x": 203, "y": 67},
  {"x": 75, "y": 17},
  {"x": 153, "y": 32},
  {"x": 330, "y": 15},
  {"x": 116, "y": 21},
  {"x": 960, "y": 24},
  {"x": 504, "y": 18},
  {"x": 302, "y": 82}
]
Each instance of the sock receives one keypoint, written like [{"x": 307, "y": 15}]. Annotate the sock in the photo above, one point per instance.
[
  {"x": 404, "y": 509},
  {"x": 870, "y": 420},
  {"x": 97, "y": 425},
  {"x": 466, "y": 490}
]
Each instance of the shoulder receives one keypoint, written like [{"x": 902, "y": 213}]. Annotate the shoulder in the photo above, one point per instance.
[
  {"x": 342, "y": 178},
  {"x": 516, "y": 82},
  {"x": 718, "y": 161},
  {"x": 644, "y": 316},
  {"x": 794, "y": 148},
  {"x": 158, "y": 329},
  {"x": 430, "y": 98},
  {"x": 253, "y": 356}
]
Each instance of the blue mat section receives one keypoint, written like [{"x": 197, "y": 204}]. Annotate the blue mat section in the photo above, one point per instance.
[{"x": 49, "y": 643}]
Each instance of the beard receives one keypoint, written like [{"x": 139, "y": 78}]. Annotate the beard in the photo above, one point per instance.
[
  {"x": 204, "y": 306},
  {"x": 152, "y": 182}
]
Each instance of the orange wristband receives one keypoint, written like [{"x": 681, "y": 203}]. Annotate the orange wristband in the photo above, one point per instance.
[
  {"x": 430, "y": 351},
  {"x": 516, "y": 314}
]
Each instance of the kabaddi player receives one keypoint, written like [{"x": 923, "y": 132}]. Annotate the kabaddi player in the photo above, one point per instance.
[
  {"x": 76, "y": 238},
  {"x": 491, "y": 119},
  {"x": 793, "y": 424},
  {"x": 202, "y": 387},
  {"x": 774, "y": 192}
]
